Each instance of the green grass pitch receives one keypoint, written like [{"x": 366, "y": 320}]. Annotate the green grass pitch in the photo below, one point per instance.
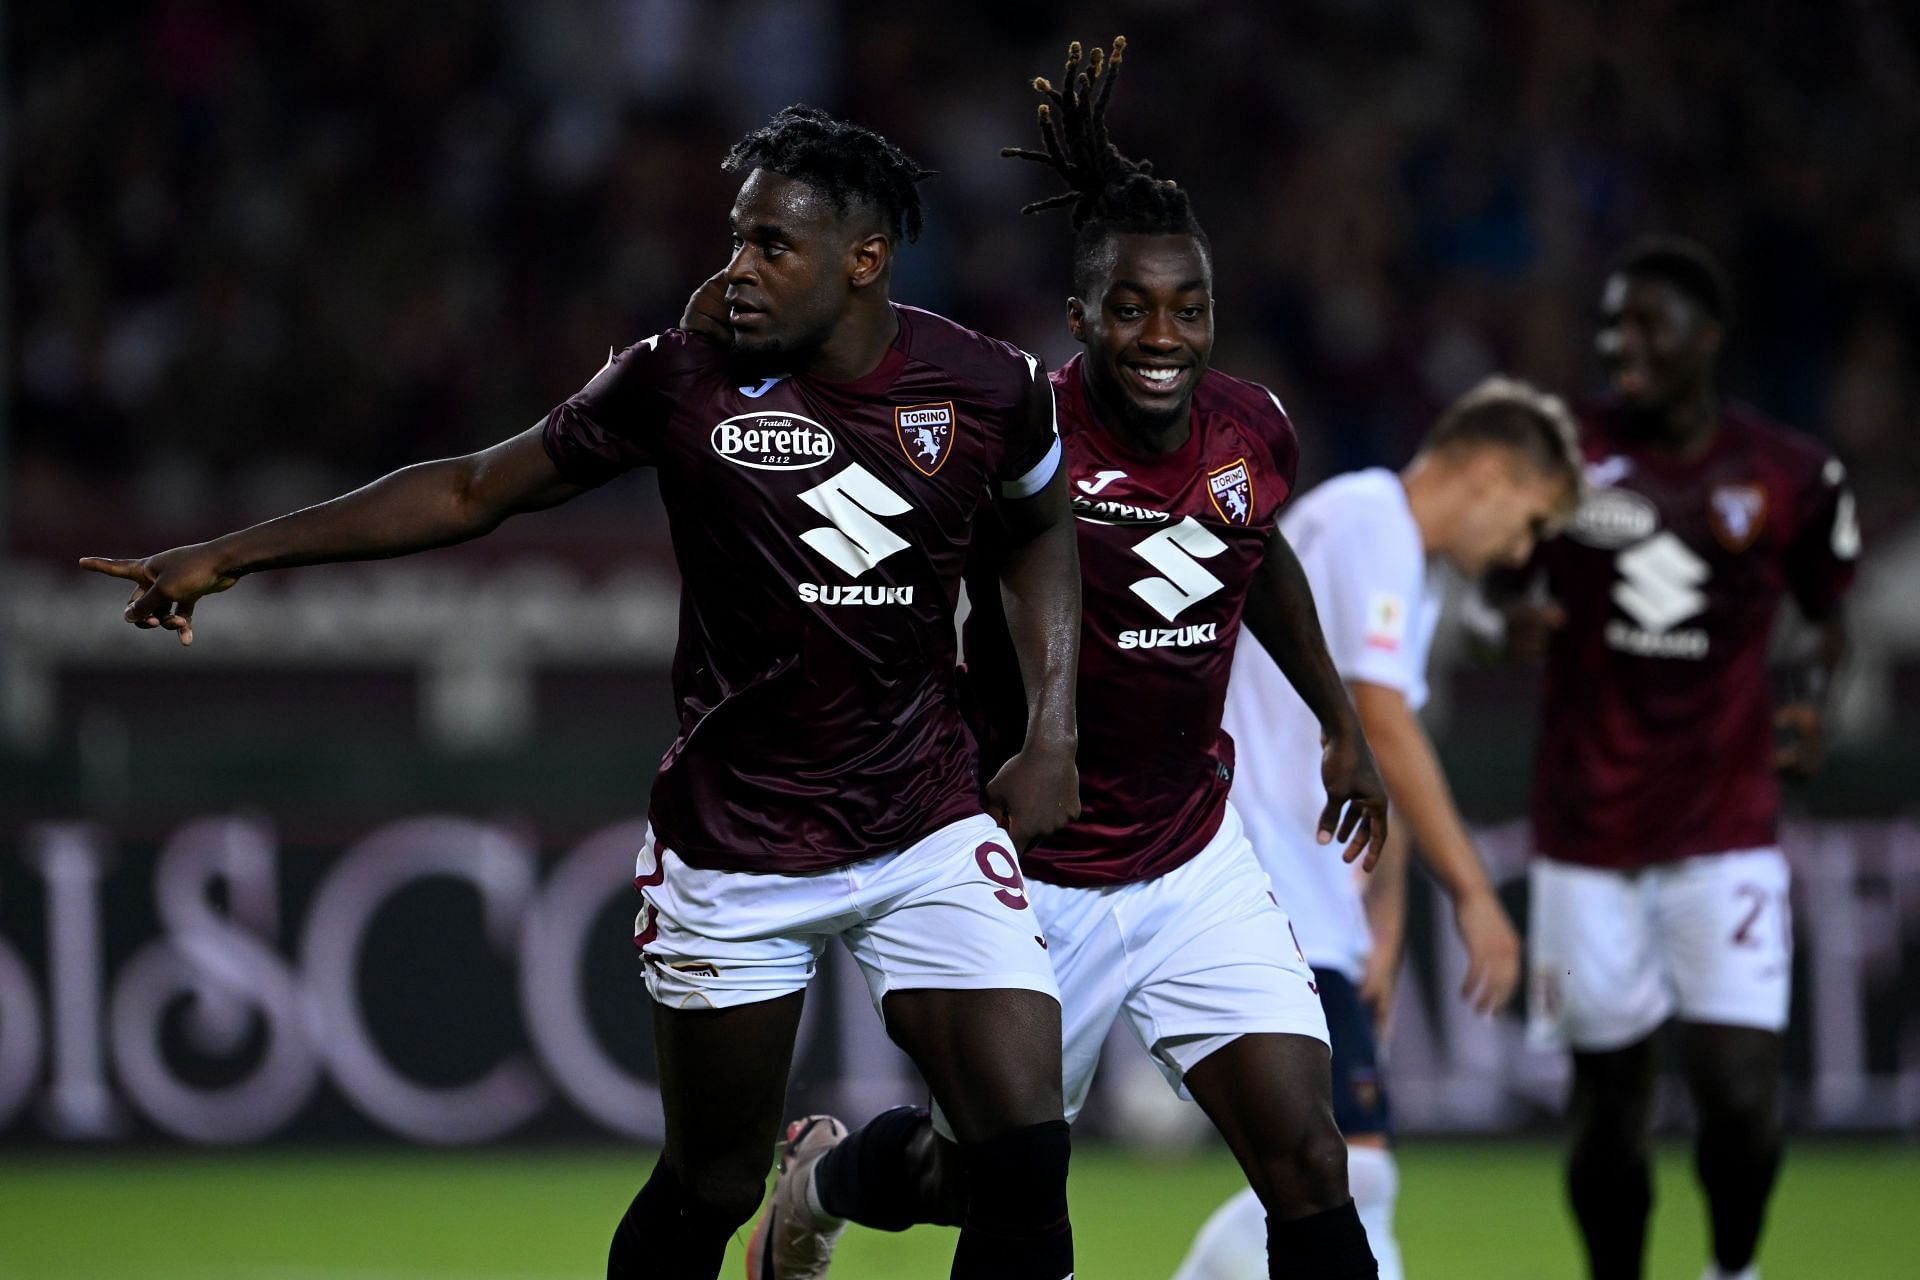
[{"x": 1487, "y": 1210}]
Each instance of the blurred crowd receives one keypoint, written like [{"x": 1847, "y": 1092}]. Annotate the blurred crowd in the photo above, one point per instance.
[{"x": 260, "y": 252}]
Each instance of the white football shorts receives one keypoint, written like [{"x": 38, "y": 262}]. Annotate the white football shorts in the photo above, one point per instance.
[
  {"x": 1192, "y": 960},
  {"x": 950, "y": 911},
  {"x": 1617, "y": 953}
]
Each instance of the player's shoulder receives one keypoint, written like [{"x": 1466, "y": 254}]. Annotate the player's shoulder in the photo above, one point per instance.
[
  {"x": 996, "y": 371},
  {"x": 1254, "y": 409},
  {"x": 1368, "y": 505},
  {"x": 1774, "y": 443},
  {"x": 669, "y": 356}
]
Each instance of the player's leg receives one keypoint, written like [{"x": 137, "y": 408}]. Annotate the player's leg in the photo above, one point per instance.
[
  {"x": 958, "y": 965},
  {"x": 1734, "y": 1076},
  {"x": 723, "y": 1076},
  {"x": 727, "y": 960},
  {"x": 1609, "y": 1169},
  {"x": 1598, "y": 987},
  {"x": 1728, "y": 940},
  {"x": 1233, "y": 1243}
]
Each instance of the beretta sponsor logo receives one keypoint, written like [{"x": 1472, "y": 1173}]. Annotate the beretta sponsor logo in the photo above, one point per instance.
[
  {"x": 1613, "y": 518},
  {"x": 772, "y": 441}
]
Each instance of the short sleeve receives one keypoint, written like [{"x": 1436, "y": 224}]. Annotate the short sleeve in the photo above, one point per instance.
[
  {"x": 1032, "y": 448},
  {"x": 1369, "y": 590},
  {"x": 614, "y": 423},
  {"x": 1824, "y": 547},
  {"x": 1276, "y": 432}
]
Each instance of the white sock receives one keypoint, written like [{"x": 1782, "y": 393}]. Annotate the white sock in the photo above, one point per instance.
[
  {"x": 1714, "y": 1272},
  {"x": 1232, "y": 1245},
  {"x": 1374, "y": 1178}
]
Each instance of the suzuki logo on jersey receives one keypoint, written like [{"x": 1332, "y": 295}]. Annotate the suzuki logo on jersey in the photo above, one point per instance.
[
  {"x": 1231, "y": 488},
  {"x": 1170, "y": 637},
  {"x": 1612, "y": 518},
  {"x": 821, "y": 593},
  {"x": 767, "y": 440},
  {"x": 1736, "y": 512},
  {"x": 926, "y": 433},
  {"x": 856, "y": 541},
  {"x": 1659, "y": 585},
  {"x": 1176, "y": 552}
]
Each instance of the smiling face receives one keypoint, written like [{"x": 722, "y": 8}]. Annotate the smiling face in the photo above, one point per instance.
[
  {"x": 1658, "y": 344},
  {"x": 797, "y": 264},
  {"x": 1147, "y": 325}
]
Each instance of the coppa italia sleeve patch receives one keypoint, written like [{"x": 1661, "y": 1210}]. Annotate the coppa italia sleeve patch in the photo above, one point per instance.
[{"x": 1386, "y": 621}]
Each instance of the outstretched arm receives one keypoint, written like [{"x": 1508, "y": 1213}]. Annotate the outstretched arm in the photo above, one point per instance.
[
  {"x": 1281, "y": 615},
  {"x": 432, "y": 504},
  {"x": 1420, "y": 792},
  {"x": 1038, "y": 791}
]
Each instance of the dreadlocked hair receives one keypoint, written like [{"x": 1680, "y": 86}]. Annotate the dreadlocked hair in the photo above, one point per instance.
[
  {"x": 1107, "y": 193},
  {"x": 842, "y": 161}
]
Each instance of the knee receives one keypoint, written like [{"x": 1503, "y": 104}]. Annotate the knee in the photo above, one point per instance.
[
  {"x": 1306, "y": 1175},
  {"x": 722, "y": 1192}
]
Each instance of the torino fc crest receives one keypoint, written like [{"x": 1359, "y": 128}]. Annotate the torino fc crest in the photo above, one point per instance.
[
  {"x": 1231, "y": 488},
  {"x": 1737, "y": 511},
  {"x": 926, "y": 433}
]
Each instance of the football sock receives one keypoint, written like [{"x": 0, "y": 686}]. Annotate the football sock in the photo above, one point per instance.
[
  {"x": 1374, "y": 1178},
  {"x": 1016, "y": 1224},
  {"x": 665, "y": 1235},
  {"x": 884, "y": 1175},
  {"x": 1612, "y": 1193},
  {"x": 1329, "y": 1245},
  {"x": 1737, "y": 1162},
  {"x": 1232, "y": 1245}
]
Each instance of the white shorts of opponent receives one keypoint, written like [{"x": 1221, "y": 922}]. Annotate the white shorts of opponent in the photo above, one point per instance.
[
  {"x": 1192, "y": 960},
  {"x": 949, "y": 911},
  {"x": 1617, "y": 953}
]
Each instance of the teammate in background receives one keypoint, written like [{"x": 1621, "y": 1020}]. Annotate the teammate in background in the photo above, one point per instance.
[
  {"x": 1152, "y": 903},
  {"x": 823, "y": 782},
  {"x": 1497, "y": 472},
  {"x": 1660, "y": 889}
]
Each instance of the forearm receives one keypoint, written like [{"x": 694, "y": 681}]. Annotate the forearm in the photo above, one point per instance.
[
  {"x": 1420, "y": 794},
  {"x": 1040, "y": 589},
  {"x": 1281, "y": 615},
  {"x": 1385, "y": 892}
]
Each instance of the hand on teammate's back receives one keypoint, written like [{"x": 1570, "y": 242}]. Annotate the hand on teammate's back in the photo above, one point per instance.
[
  {"x": 706, "y": 312},
  {"x": 1493, "y": 952},
  {"x": 1353, "y": 783},
  {"x": 165, "y": 586},
  {"x": 1034, "y": 795},
  {"x": 1802, "y": 743}
]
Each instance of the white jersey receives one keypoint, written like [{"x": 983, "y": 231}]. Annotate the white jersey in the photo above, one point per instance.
[{"x": 1356, "y": 539}]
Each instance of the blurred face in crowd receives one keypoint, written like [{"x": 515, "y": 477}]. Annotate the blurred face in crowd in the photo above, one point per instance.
[
  {"x": 1658, "y": 344},
  {"x": 1513, "y": 504},
  {"x": 1147, "y": 324},
  {"x": 797, "y": 265}
]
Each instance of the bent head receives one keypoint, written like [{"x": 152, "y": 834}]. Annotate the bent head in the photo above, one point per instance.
[
  {"x": 1663, "y": 314},
  {"x": 1508, "y": 459},
  {"x": 814, "y": 227},
  {"x": 1143, "y": 308}
]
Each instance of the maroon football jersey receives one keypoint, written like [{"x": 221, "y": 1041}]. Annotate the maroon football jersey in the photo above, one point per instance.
[
  {"x": 1657, "y": 739},
  {"x": 821, "y": 529},
  {"x": 1168, "y": 547}
]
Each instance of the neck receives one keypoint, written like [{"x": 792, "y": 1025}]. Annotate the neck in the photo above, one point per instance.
[
  {"x": 857, "y": 344},
  {"x": 1429, "y": 500},
  {"x": 1687, "y": 427},
  {"x": 1142, "y": 435}
]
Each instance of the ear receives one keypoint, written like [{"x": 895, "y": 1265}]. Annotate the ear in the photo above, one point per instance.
[
  {"x": 868, "y": 260},
  {"x": 1077, "y": 319}
]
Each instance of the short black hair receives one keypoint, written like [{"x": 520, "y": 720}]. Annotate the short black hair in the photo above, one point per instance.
[
  {"x": 839, "y": 159},
  {"x": 1110, "y": 194},
  {"x": 1685, "y": 264}
]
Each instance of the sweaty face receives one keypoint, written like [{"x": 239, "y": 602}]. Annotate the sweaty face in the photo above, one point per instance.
[
  {"x": 1515, "y": 506},
  {"x": 1147, "y": 327},
  {"x": 1657, "y": 343},
  {"x": 787, "y": 283}
]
